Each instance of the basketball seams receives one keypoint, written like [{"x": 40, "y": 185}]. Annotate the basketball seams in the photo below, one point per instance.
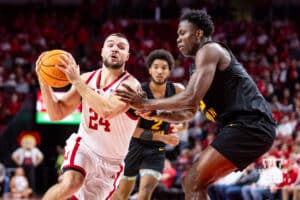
[
  {"x": 49, "y": 57},
  {"x": 52, "y": 81},
  {"x": 51, "y": 75}
]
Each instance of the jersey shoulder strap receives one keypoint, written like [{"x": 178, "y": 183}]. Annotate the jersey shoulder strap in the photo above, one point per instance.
[{"x": 170, "y": 90}]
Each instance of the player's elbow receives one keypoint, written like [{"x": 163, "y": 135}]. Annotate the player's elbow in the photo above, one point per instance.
[
  {"x": 105, "y": 113},
  {"x": 189, "y": 115},
  {"x": 53, "y": 118},
  {"x": 191, "y": 101},
  {"x": 56, "y": 116}
]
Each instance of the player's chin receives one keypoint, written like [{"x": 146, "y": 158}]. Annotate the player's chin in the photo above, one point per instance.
[
  {"x": 185, "y": 53},
  {"x": 182, "y": 51},
  {"x": 160, "y": 81},
  {"x": 116, "y": 65}
]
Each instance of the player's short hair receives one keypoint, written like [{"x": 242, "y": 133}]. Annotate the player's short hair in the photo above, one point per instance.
[
  {"x": 160, "y": 54},
  {"x": 200, "y": 19},
  {"x": 120, "y": 35}
]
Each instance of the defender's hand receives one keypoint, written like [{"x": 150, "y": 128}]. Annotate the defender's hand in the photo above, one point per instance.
[
  {"x": 132, "y": 97},
  {"x": 171, "y": 139}
]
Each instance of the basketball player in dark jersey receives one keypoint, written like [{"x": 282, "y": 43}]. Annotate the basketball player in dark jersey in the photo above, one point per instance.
[
  {"x": 146, "y": 154},
  {"x": 227, "y": 95}
]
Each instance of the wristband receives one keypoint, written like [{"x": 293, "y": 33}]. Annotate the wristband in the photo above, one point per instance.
[{"x": 146, "y": 135}]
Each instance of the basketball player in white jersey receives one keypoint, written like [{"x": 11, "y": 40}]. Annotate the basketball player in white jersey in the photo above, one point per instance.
[{"x": 94, "y": 155}]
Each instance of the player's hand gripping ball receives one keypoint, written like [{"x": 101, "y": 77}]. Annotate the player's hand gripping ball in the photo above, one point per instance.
[{"x": 47, "y": 71}]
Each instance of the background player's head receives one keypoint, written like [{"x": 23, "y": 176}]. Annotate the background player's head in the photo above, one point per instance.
[
  {"x": 160, "y": 63},
  {"x": 194, "y": 26},
  {"x": 115, "y": 51}
]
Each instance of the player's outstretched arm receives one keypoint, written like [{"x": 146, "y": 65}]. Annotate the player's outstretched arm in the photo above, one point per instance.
[
  {"x": 206, "y": 62},
  {"x": 107, "y": 106},
  {"x": 169, "y": 116},
  {"x": 57, "y": 108}
]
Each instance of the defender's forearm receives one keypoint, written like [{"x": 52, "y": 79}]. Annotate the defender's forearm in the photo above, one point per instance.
[
  {"x": 176, "y": 116},
  {"x": 177, "y": 102}
]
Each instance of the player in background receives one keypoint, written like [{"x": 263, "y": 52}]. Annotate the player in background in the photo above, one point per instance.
[
  {"x": 147, "y": 147},
  {"x": 94, "y": 155}
]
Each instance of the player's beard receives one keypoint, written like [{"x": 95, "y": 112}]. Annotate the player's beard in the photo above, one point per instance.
[
  {"x": 159, "y": 82},
  {"x": 117, "y": 65}
]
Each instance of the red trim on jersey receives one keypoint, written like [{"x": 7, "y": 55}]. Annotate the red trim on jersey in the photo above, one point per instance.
[
  {"x": 98, "y": 79},
  {"x": 123, "y": 80},
  {"x": 131, "y": 116},
  {"x": 90, "y": 77},
  {"x": 74, "y": 197},
  {"x": 118, "y": 175},
  {"x": 108, "y": 86}
]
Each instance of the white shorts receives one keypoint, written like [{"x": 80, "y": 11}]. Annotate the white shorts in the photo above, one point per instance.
[{"x": 101, "y": 175}]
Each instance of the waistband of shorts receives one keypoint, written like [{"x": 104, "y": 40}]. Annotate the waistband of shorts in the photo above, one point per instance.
[{"x": 112, "y": 161}]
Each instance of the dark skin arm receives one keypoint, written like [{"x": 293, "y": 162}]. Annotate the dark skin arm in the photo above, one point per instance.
[
  {"x": 206, "y": 61},
  {"x": 171, "y": 117},
  {"x": 176, "y": 116}
]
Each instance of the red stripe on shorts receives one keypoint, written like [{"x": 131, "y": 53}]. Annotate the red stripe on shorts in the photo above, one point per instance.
[
  {"x": 74, "y": 151},
  {"x": 118, "y": 175}
]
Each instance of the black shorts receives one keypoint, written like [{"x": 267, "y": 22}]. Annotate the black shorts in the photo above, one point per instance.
[
  {"x": 245, "y": 141},
  {"x": 142, "y": 156}
]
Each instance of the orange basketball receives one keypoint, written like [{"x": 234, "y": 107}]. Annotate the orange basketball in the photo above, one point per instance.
[{"x": 48, "y": 72}]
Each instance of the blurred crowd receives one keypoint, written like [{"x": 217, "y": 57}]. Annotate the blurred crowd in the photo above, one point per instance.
[{"x": 269, "y": 50}]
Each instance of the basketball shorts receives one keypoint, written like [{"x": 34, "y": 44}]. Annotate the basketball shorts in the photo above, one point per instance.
[
  {"x": 141, "y": 157},
  {"x": 244, "y": 142},
  {"x": 101, "y": 174}
]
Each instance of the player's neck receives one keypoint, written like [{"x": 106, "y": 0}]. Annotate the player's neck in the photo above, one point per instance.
[
  {"x": 204, "y": 40},
  {"x": 109, "y": 75},
  {"x": 112, "y": 73}
]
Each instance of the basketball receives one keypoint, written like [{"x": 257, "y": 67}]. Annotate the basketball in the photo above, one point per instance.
[{"x": 48, "y": 72}]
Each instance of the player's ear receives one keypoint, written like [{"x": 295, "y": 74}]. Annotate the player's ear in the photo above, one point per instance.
[
  {"x": 199, "y": 34},
  {"x": 102, "y": 52},
  {"x": 127, "y": 58}
]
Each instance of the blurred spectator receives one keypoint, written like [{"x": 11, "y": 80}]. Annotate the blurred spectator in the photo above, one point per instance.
[
  {"x": 59, "y": 160},
  {"x": 168, "y": 175},
  {"x": 233, "y": 191},
  {"x": 28, "y": 155},
  {"x": 217, "y": 190},
  {"x": 265, "y": 187},
  {"x": 19, "y": 186},
  {"x": 286, "y": 127},
  {"x": 183, "y": 135},
  {"x": 23, "y": 86},
  {"x": 4, "y": 180},
  {"x": 182, "y": 164},
  {"x": 164, "y": 189},
  {"x": 290, "y": 176},
  {"x": 13, "y": 105}
]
